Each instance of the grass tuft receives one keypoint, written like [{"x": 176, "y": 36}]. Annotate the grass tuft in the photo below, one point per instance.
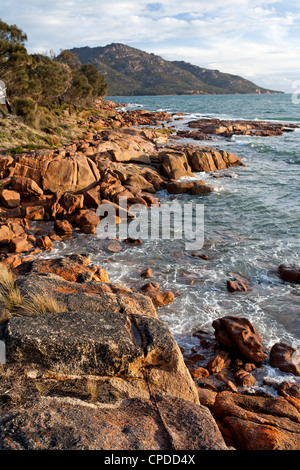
[
  {"x": 10, "y": 295},
  {"x": 37, "y": 304},
  {"x": 34, "y": 304}
]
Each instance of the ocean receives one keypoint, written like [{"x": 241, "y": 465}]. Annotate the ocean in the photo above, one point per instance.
[{"x": 251, "y": 226}]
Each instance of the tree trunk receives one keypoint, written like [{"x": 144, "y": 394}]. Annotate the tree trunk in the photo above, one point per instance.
[{"x": 9, "y": 108}]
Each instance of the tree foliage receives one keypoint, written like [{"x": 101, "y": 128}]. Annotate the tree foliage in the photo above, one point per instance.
[
  {"x": 38, "y": 79},
  {"x": 87, "y": 82}
]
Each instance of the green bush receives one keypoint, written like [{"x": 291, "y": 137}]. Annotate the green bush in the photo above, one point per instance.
[{"x": 24, "y": 107}]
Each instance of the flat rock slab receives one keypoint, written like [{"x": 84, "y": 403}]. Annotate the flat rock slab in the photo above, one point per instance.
[
  {"x": 87, "y": 296},
  {"x": 68, "y": 424}
]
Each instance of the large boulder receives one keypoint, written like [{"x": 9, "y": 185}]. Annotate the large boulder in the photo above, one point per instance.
[
  {"x": 70, "y": 173},
  {"x": 61, "y": 170},
  {"x": 102, "y": 330},
  {"x": 86, "y": 293},
  {"x": 210, "y": 159},
  {"x": 175, "y": 164},
  {"x": 238, "y": 334}
]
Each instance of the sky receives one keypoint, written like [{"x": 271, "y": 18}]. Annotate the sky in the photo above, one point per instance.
[{"x": 258, "y": 40}]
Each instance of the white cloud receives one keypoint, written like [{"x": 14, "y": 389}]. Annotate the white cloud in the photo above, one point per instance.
[{"x": 251, "y": 38}]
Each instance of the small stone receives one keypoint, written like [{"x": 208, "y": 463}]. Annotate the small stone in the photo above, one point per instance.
[
  {"x": 147, "y": 273},
  {"x": 199, "y": 373}
]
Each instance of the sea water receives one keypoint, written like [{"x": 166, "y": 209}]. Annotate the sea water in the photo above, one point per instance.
[{"x": 251, "y": 226}]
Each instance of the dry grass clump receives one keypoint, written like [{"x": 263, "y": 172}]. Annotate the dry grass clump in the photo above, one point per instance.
[
  {"x": 37, "y": 304},
  {"x": 34, "y": 304},
  {"x": 10, "y": 295},
  {"x": 7, "y": 277}
]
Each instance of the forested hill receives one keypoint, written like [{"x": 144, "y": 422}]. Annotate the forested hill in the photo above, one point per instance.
[{"x": 130, "y": 71}]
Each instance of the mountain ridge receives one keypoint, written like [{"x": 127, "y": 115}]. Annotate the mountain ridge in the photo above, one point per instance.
[{"x": 130, "y": 71}]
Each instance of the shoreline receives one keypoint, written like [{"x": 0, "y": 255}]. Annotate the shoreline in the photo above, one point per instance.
[{"x": 135, "y": 163}]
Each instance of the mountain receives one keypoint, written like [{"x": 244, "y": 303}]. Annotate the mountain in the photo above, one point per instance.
[{"x": 130, "y": 71}]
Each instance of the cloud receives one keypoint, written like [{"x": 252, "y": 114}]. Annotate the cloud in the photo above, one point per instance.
[{"x": 252, "y": 38}]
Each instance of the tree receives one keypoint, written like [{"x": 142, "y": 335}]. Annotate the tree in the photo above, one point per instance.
[
  {"x": 69, "y": 58},
  {"x": 87, "y": 82},
  {"x": 12, "y": 39},
  {"x": 12, "y": 49},
  {"x": 97, "y": 81},
  {"x": 49, "y": 80}
]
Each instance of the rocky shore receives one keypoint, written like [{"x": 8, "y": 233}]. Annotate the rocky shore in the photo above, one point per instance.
[{"x": 89, "y": 364}]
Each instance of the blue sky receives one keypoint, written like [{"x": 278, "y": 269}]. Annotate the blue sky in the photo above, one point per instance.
[{"x": 259, "y": 40}]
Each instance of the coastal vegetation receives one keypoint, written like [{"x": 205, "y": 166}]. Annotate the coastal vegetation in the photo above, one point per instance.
[{"x": 41, "y": 90}]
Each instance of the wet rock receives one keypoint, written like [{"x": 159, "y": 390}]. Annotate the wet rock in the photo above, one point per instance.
[
  {"x": 244, "y": 379},
  {"x": 133, "y": 241},
  {"x": 228, "y": 128},
  {"x": 286, "y": 358},
  {"x": 114, "y": 247},
  {"x": 175, "y": 164},
  {"x": 158, "y": 297},
  {"x": 238, "y": 284},
  {"x": 289, "y": 273},
  {"x": 190, "y": 187},
  {"x": 238, "y": 334},
  {"x": 44, "y": 242},
  {"x": 147, "y": 273},
  {"x": 63, "y": 227}
]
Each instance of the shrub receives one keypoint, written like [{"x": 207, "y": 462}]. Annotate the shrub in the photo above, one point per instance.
[{"x": 25, "y": 107}]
